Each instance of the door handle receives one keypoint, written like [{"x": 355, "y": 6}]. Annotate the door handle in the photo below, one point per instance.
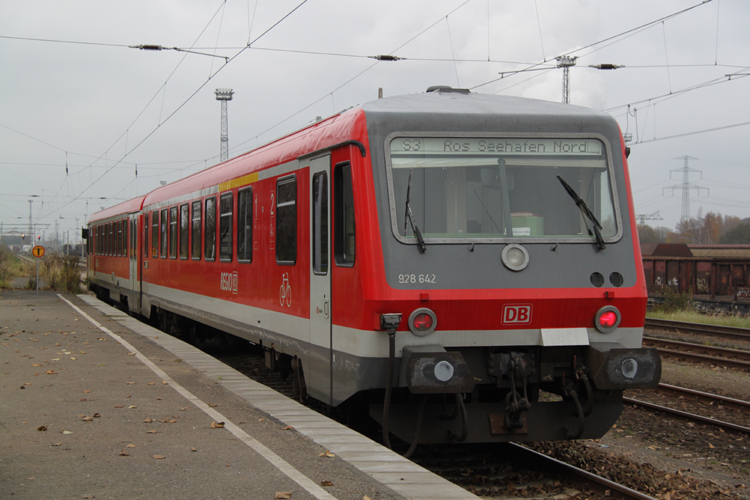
[{"x": 325, "y": 308}]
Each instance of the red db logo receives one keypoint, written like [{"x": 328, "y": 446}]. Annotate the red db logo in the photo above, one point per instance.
[{"x": 518, "y": 314}]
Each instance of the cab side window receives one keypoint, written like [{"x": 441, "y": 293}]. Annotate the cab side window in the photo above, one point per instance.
[{"x": 344, "y": 233}]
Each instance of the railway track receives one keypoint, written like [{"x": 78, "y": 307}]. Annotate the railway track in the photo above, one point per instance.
[
  {"x": 512, "y": 470},
  {"x": 718, "y": 356},
  {"x": 683, "y": 392},
  {"x": 701, "y": 328}
]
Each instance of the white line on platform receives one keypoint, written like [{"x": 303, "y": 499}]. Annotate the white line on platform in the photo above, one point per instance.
[{"x": 278, "y": 462}]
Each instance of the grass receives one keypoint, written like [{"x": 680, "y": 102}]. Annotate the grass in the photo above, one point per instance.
[
  {"x": 722, "y": 319},
  {"x": 12, "y": 267},
  {"x": 61, "y": 272},
  {"x": 679, "y": 307}
]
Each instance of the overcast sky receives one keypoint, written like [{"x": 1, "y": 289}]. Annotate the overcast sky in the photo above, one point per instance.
[{"x": 104, "y": 109}]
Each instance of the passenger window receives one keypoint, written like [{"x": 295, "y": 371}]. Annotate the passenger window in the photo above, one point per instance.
[
  {"x": 155, "y": 234},
  {"x": 195, "y": 242},
  {"x": 225, "y": 227},
  {"x": 184, "y": 231},
  {"x": 173, "y": 233},
  {"x": 111, "y": 242},
  {"x": 344, "y": 237},
  {"x": 164, "y": 240},
  {"x": 286, "y": 220},
  {"x": 211, "y": 228},
  {"x": 118, "y": 239},
  {"x": 245, "y": 225}
]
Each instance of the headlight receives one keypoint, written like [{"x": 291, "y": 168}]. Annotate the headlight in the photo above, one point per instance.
[{"x": 515, "y": 257}]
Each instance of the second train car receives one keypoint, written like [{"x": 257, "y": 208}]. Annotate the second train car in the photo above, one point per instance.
[{"x": 465, "y": 267}]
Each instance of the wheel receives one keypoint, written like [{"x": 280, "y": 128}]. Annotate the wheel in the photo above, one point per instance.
[{"x": 288, "y": 296}]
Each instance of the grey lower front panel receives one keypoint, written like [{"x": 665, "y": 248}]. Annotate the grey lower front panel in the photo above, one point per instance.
[{"x": 546, "y": 421}]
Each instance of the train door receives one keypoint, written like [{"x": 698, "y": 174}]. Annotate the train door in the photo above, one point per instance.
[
  {"x": 135, "y": 285},
  {"x": 320, "y": 361}
]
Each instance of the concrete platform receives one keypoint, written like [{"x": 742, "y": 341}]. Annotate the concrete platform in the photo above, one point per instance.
[{"x": 95, "y": 404}]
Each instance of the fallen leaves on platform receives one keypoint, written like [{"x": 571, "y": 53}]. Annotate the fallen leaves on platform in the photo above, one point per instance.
[
  {"x": 217, "y": 425},
  {"x": 327, "y": 454},
  {"x": 282, "y": 495}
]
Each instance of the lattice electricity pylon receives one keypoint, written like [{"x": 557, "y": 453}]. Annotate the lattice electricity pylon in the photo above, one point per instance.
[
  {"x": 224, "y": 95},
  {"x": 685, "y": 186},
  {"x": 642, "y": 218}
]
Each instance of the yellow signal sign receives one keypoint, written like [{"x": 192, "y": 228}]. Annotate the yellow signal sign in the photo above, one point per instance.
[{"x": 37, "y": 251}]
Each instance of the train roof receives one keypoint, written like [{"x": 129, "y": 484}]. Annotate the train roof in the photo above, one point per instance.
[
  {"x": 126, "y": 207},
  {"x": 665, "y": 250},
  {"x": 446, "y": 100},
  {"x": 704, "y": 252},
  {"x": 318, "y": 136},
  {"x": 721, "y": 251}
]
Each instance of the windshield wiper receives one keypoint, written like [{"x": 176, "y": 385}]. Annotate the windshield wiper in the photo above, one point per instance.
[
  {"x": 586, "y": 213},
  {"x": 409, "y": 217},
  {"x": 488, "y": 212}
]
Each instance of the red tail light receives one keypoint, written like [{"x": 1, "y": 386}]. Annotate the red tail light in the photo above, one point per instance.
[
  {"x": 607, "y": 319},
  {"x": 422, "y": 322}
]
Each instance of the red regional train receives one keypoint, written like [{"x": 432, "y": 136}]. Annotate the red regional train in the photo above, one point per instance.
[{"x": 465, "y": 267}]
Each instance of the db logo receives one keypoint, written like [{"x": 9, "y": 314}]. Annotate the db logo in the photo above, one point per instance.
[{"x": 517, "y": 314}]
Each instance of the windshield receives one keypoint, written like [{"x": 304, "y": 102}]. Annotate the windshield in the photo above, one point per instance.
[{"x": 487, "y": 188}]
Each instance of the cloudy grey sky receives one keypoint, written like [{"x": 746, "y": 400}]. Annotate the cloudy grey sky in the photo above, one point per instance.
[{"x": 104, "y": 110}]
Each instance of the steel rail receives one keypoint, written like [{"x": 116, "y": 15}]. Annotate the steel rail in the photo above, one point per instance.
[
  {"x": 703, "y": 328},
  {"x": 727, "y": 362},
  {"x": 564, "y": 468},
  {"x": 689, "y": 416},
  {"x": 705, "y": 396}
]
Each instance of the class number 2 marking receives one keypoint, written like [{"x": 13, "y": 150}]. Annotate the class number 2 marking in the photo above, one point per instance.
[{"x": 417, "y": 278}]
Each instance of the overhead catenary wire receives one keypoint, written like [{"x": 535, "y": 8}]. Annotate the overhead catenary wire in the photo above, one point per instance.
[
  {"x": 176, "y": 110},
  {"x": 613, "y": 37},
  {"x": 349, "y": 80},
  {"x": 163, "y": 87}
]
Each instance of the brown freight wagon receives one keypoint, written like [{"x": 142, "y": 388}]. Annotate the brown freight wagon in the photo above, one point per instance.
[{"x": 715, "y": 271}]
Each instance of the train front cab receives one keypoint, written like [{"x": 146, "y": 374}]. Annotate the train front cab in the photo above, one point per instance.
[{"x": 513, "y": 295}]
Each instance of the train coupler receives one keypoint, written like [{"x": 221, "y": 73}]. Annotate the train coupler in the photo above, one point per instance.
[
  {"x": 515, "y": 368},
  {"x": 515, "y": 403}
]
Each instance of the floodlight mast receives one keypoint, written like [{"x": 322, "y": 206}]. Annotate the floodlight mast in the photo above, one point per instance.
[
  {"x": 565, "y": 62},
  {"x": 224, "y": 95}
]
